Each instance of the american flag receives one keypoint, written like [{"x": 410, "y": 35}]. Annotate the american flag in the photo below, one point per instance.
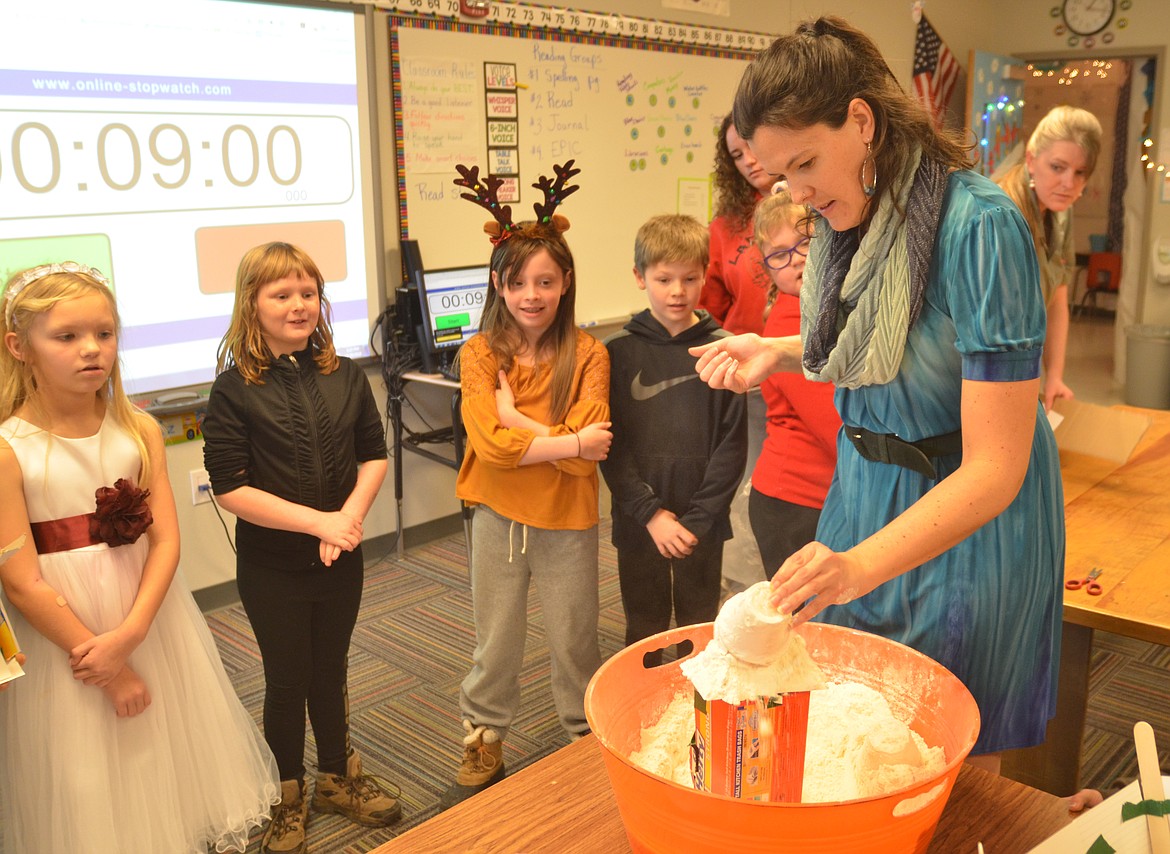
[{"x": 935, "y": 71}]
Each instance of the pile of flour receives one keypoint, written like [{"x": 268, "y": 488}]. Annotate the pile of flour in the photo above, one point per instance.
[
  {"x": 753, "y": 654},
  {"x": 856, "y": 747}
]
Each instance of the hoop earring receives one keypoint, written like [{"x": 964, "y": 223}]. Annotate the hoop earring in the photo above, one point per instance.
[{"x": 869, "y": 187}]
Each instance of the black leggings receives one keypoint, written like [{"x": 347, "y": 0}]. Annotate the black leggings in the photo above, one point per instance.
[
  {"x": 303, "y": 622},
  {"x": 781, "y": 528}
]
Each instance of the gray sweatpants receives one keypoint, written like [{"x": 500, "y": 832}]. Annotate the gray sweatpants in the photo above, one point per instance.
[{"x": 506, "y": 558}]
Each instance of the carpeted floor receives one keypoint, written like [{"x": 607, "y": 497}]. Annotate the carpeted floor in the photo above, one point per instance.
[
  {"x": 412, "y": 648},
  {"x": 410, "y": 651}
]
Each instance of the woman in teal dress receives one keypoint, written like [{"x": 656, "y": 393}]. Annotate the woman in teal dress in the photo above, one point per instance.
[{"x": 944, "y": 525}]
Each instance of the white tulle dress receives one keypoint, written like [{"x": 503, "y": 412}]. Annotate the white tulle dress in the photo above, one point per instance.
[{"x": 189, "y": 773}]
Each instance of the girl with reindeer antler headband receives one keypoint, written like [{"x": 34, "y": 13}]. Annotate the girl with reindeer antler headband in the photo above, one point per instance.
[{"x": 536, "y": 409}]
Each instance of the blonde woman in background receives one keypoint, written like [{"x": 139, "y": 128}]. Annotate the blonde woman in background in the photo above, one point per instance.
[{"x": 1058, "y": 161}]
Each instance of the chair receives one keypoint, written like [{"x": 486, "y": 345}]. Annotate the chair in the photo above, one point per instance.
[{"x": 1104, "y": 277}]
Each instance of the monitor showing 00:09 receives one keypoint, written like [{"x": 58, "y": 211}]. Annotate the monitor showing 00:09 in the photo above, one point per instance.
[
  {"x": 454, "y": 304},
  {"x": 159, "y": 141}
]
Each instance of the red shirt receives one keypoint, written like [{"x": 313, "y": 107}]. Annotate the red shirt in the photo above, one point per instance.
[
  {"x": 800, "y": 450},
  {"x": 736, "y": 289}
]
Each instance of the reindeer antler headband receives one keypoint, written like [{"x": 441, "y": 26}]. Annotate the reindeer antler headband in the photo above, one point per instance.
[{"x": 485, "y": 194}]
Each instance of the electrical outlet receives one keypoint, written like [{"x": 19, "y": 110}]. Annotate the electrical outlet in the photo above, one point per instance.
[{"x": 200, "y": 487}]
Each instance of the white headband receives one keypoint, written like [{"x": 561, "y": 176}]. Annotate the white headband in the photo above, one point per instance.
[{"x": 29, "y": 276}]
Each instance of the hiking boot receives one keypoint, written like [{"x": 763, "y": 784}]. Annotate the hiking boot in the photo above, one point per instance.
[
  {"x": 483, "y": 765},
  {"x": 286, "y": 831},
  {"x": 359, "y": 797}
]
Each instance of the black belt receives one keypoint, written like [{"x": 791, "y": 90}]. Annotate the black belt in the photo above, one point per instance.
[{"x": 916, "y": 456}]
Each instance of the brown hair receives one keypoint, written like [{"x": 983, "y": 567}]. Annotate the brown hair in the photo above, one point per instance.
[
  {"x": 500, "y": 328},
  {"x": 17, "y": 385},
  {"x": 243, "y": 345},
  {"x": 735, "y": 197},
  {"x": 671, "y": 237},
  {"x": 812, "y": 75}
]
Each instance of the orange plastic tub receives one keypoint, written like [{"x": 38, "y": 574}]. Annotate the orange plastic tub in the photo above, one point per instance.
[{"x": 661, "y": 816}]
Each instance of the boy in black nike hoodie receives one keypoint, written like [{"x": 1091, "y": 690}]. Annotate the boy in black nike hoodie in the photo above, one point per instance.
[{"x": 679, "y": 446}]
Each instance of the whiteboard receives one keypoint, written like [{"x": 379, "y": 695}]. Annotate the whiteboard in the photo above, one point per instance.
[{"x": 640, "y": 118}]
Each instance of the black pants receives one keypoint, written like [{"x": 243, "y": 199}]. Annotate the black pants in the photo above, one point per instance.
[
  {"x": 781, "y": 528},
  {"x": 303, "y": 623},
  {"x": 651, "y": 584}
]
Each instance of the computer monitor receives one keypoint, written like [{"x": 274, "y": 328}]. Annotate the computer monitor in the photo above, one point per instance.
[{"x": 452, "y": 302}]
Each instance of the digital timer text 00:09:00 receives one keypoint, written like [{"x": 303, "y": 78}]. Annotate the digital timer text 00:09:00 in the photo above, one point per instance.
[{"x": 66, "y": 163}]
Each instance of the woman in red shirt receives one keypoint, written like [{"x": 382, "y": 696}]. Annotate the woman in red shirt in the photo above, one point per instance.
[{"x": 736, "y": 288}]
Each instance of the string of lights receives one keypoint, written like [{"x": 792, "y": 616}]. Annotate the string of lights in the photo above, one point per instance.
[{"x": 1083, "y": 71}]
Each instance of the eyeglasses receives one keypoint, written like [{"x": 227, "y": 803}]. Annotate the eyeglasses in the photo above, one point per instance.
[{"x": 781, "y": 258}]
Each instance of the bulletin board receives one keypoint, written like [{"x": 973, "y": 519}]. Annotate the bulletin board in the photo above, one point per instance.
[
  {"x": 638, "y": 116},
  {"x": 995, "y": 115}
]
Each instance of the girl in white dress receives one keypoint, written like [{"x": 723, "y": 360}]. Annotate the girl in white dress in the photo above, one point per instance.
[{"x": 125, "y": 735}]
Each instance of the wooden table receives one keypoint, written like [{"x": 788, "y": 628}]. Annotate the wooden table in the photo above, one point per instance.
[
  {"x": 1116, "y": 518},
  {"x": 564, "y": 804}
]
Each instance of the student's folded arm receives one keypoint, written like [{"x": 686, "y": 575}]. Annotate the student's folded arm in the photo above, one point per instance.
[
  {"x": 724, "y": 470},
  {"x": 591, "y": 406},
  {"x": 493, "y": 443}
]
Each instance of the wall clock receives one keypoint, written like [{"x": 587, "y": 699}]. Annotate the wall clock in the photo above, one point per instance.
[{"x": 1086, "y": 17}]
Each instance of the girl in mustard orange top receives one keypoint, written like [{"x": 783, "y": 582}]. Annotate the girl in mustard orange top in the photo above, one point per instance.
[{"x": 536, "y": 409}]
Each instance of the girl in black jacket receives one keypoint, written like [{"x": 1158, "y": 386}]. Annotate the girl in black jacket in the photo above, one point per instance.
[{"x": 295, "y": 449}]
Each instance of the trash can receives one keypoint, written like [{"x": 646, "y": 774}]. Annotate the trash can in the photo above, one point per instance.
[{"x": 1147, "y": 366}]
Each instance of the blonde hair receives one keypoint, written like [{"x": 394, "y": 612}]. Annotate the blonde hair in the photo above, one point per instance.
[
  {"x": 772, "y": 212},
  {"x": 243, "y": 345},
  {"x": 560, "y": 339},
  {"x": 671, "y": 238},
  {"x": 1061, "y": 124},
  {"x": 18, "y": 386},
  {"x": 1068, "y": 124}
]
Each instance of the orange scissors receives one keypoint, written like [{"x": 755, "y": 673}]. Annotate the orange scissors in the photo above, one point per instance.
[{"x": 1089, "y": 584}]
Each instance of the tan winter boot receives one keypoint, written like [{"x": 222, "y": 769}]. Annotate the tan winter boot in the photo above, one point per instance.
[
  {"x": 286, "y": 831},
  {"x": 359, "y": 797},
  {"x": 483, "y": 765}
]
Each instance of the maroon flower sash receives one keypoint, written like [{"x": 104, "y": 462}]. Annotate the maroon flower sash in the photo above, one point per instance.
[{"x": 120, "y": 517}]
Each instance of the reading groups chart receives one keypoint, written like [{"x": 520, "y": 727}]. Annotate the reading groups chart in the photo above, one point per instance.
[{"x": 638, "y": 115}]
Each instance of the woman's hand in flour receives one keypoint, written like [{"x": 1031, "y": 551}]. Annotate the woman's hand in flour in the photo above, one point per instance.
[{"x": 818, "y": 577}]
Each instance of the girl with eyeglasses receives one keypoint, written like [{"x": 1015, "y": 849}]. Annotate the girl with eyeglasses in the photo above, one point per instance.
[{"x": 796, "y": 463}]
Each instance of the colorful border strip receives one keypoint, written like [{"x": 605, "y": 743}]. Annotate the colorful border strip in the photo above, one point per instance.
[{"x": 578, "y": 22}]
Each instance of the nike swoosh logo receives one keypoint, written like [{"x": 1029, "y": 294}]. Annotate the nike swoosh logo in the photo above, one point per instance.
[{"x": 639, "y": 391}]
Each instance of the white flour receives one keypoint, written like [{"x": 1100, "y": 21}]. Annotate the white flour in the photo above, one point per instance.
[
  {"x": 666, "y": 744},
  {"x": 753, "y": 654},
  {"x": 856, "y": 747}
]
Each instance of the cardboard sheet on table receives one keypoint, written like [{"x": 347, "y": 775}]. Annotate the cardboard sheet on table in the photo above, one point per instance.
[
  {"x": 1093, "y": 441},
  {"x": 1130, "y": 837}
]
